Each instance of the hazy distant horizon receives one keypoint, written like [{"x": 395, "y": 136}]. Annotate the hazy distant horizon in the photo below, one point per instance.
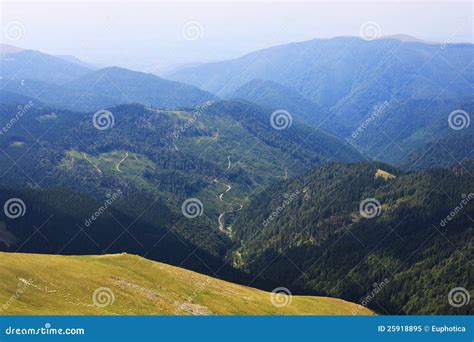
[{"x": 157, "y": 36}]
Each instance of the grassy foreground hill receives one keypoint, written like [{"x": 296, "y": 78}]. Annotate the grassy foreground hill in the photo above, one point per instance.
[{"x": 130, "y": 285}]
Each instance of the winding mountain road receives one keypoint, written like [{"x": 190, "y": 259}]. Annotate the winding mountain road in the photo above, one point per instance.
[
  {"x": 117, "y": 167},
  {"x": 227, "y": 190},
  {"x": 221, "y": 219}
]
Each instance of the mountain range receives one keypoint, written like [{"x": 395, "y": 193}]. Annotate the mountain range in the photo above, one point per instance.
[
  {"x": 66, "y": 83},
  {"x": 346, "y": 83},
  {"x": 347, "y": 75},
  {"x": 254, "y": 170}
]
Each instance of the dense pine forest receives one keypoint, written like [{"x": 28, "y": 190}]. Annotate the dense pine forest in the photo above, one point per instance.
[{"x": 322, "y": 242}]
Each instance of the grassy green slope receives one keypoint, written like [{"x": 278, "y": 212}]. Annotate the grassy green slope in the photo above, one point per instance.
[{"x": 64, "y": 285}]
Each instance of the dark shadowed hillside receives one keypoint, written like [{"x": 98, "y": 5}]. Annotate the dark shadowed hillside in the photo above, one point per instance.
[{"x": 339, "y": 229}]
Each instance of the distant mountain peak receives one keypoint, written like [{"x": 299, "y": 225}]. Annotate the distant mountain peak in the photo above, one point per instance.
[
  {"x": 116, "y": 70},
  {"x": 407, "y": 39},
  {"x": 9, "y": 49}
]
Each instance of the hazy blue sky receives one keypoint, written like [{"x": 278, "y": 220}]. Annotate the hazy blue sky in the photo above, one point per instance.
[{"x": 149, "y": 35}]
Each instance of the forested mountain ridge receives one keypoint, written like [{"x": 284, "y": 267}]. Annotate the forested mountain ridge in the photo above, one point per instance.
[
  {"x": 20, "y": 64},
  {"x": 450, "y": 150},
  {"x": 108, "y": 87},
  {"x": 347, "y": 75},
  {"x": 207, "y": 134},
  {"x": 65, "y": 82},
  {"x": 362, "y": 91},
  {"x": 272, "y": 94},
  {"x": 378, "y": 85},
  {"x": 127, "y": 86},
  {"x": 402, "y": 132},
  {"x": 313, "y": 232},
  {"x": 434, "y": 137}
]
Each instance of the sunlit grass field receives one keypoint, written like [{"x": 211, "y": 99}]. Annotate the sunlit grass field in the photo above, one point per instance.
[{"x": 125, "y": 284}]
